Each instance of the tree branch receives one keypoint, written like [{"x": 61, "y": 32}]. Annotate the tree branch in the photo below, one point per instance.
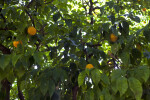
[
  {"x": 90, "y": 11},
  {"x": 5, "y": 83},
  {"x": 49, "y": 2},
  {"x": 4, "y": 49},
  {"x": 20, "y": 94},
  {"x": 32, "y": 20},
  {"x": 75, "y": 91},
  {"x": 2, "y": 15}
]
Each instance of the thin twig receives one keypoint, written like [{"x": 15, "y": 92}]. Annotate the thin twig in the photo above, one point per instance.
[{"x": 32, "y": 20}]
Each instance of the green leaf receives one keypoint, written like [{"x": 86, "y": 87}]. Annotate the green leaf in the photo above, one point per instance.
[
  {"x": 59, "y": 74},
  {"x": 142, "y": 73},
  {"x": 146, "y": 34},
  {"x": 15, "y": 58},
  {"x": 114, "y": 87},
  {"x": 136, "y": 87},
  {"x": 96, "y": 76},
  {"x": 51, "y": 88},
  {"x": 125, "y": 26},
  {"x": 116, "y": 74},
  {"x": 83, "y": 63},
  {"x": 112, "y": 18},
  {"x": 56, "y": 16},
  {"x": 106, "y": 26},
  {"x": 114, "y": 48},
  {"x": 110, "y": 4},
  {"x": 19, "y": 69},
  {"x": 135, "y": 18},
  {"x": 125, "y": 58},
  {"x": 68, "y": 22},
  {"x": 44, "y": 86},
  {"x": 97, "y": 92},
  {"x": 105, "y": 79},
  {"x": 94, "y": 62},
  {"x": 11, "y": 77},
  {"x": 81, "y": 78},
  {"x": 122, "y": 85},
  {"x": 117, "y": 8},
  {"x": 4, "y": 61},
  {"x": 89, "y": 95},
  {"x": 38, "y": 56},
  {"x": 106, "y": 94}
]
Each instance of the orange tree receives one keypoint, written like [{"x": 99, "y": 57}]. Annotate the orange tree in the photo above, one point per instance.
[{"x": 74, "y": 49}]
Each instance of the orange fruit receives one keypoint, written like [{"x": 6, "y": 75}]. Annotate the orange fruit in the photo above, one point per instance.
[
  {"x": 31, "y": 30},
  {"x": 15, "y": 43},
  {"x": 113, "y": 37},
  {"x": 89, "y": 66},
  {"x": 144, "y": 9},
  {"x": 144, "y": 21}
]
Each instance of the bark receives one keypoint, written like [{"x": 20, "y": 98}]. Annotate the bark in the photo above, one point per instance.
[
  {"x": 74, "y": 92},
  {"x": 20, "y": 94},
  {"x": 90, "y": 11}
]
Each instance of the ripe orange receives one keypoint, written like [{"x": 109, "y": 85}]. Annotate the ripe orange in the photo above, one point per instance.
[
  {"x": 89, "y": 66},
  {"x": 31, "y": 30},
  {"x": 144, "y": 9},
  {"x": 15, "y": 43},
  {"x": 144, "y": 21},
  {"x": 113, "y": 37}
]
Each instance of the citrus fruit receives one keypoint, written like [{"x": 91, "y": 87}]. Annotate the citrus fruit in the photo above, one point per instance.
[
  {"x": 144, "y": 9},
  {"x": 89, "y": 66},
  {"x": 31, "y": 30},
  {"x": 144, "y": 21},
  {"x": 113, "y": 37},
  {"x": 15, "y": 43}
]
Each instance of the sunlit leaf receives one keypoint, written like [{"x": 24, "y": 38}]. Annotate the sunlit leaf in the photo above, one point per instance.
[
  {"x": 81, "y": 78},
  {"x": 95, "y": 76}
]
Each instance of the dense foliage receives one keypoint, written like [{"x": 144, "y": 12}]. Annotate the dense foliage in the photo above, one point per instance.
[{"x": 48, "y": 61}]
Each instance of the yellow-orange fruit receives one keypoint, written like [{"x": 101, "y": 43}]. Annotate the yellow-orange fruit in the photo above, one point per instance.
[
  {"x": 15, "y": 43},
  {"x": 31, "y": 30},
  {"x": 144, "y": 21},
  {"x": 144, "y": 9},
  {"x": 113, "y": 37},
  {"x": 89, "y": 66}
]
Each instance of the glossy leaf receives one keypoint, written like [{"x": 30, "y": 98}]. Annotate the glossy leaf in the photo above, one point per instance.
[
  {"x": 81, "y": 78},
  {"x": 95, "y": 73}
]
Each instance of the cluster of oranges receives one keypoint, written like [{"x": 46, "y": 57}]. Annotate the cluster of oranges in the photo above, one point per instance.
[{"x": 31, "y": 31}]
